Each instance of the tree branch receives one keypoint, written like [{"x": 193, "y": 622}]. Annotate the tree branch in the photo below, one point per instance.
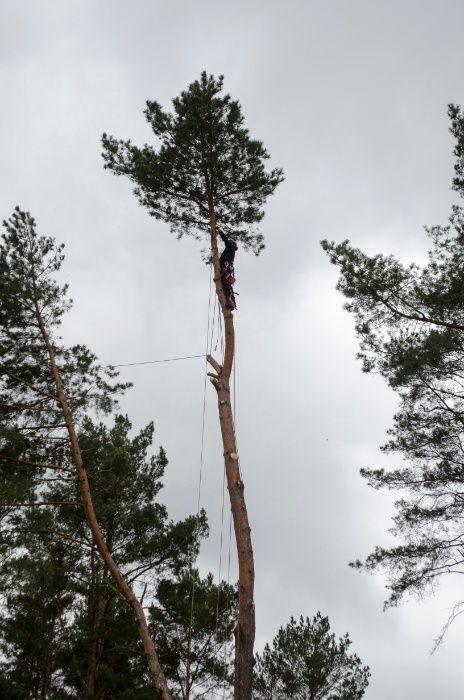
[
  {"x": 37, "y": 465},
  {"x": 30, "y": 386}
]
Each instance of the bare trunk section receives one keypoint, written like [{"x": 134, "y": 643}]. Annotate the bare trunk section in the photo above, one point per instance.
[
  {"x": 245, "y": 630},
  {"x": 156, "y": 674}
]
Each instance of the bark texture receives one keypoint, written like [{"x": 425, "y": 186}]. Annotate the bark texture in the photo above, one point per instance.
[
  {"x": 156, "y": 674},
  {"x": 245, "y": 629}
]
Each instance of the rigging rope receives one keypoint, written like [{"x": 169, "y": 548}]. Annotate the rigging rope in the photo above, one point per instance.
[
  {"x": 221, "y": 335},
  {"x": 209, "y": 343},
  {"x": 220, "y": 550},
  {"x": 168, "y": 359},
  {"x": 228, "y": 597},
  {"x": 212, "y": 328},
  {"x": 200, "y": 478},
  {"x": 234, "y": 412},
  {"x": 224, "y": 643},
  {"x": 209, "y": 340}
]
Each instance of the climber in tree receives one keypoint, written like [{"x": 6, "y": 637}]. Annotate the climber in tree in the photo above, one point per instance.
[{"x": 226, "y": 261}]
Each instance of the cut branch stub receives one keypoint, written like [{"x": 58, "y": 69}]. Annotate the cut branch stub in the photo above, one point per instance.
[{"x": 214, "y": 364}]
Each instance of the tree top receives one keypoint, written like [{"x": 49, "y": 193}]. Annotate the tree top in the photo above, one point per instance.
[{"x": 204, "y": 158}]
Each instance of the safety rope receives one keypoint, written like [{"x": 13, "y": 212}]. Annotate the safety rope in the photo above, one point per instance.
[
  {"x": 221, "y": 335},
  {"x": 212, "y": 326},
  {"x": 211, "y": 322},
  {"x": 200, "y": 479},
  {"x": 224, "y": 643},
  {"x": 220, "y": 551},
  {"x": 209, "y": 344},
  {"x": 234, "y": 412},
  {"x": 228, "y": 597}
]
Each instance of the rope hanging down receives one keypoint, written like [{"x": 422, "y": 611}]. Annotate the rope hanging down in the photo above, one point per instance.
[
  {"x": 209, "y": 346},
  {"x": 200, "y": 479},
  {"x": 210, "y": 332}
]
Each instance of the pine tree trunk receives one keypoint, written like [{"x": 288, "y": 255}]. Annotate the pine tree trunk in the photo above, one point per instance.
[
  {"x": 46, "y": 672},
  {"x": 95, "y": 649},
  {"x": 156, "y": 674},
  {"x": 245, "y": 629},
  {"x": 47, "y": 664}
]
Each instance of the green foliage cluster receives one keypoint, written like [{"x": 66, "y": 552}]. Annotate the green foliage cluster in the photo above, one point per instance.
[
  {"x": 410, "y": 322},
  {"x": 64, "y": 630},
  {"x": 194, "y": 643},
  {"x": 306, "y": 661},
  {"x": 205, "y": 158}
]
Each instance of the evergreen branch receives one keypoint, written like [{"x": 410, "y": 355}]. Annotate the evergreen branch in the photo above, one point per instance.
[
  {"x": 416, "y": 317},
  {"x": 12, "y": 376},
  {"x": 53, "y": 426},
  {"x": 42, "y": 531},
  {"x": 143, "y": 568},
  {"x": 38, "y": 465},
  {"x": 40, "y": 503},
  {"x": 18, "y": 407}
]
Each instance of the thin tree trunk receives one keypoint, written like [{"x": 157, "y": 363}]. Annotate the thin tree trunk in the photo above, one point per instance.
[
  {"x": 46, "y": 672},
  {"x": 47, "y": 664},
  {"x": 95, "y": 649},
  {"x": 156, "y": 674},
  {"x": 245, "y": 629}
]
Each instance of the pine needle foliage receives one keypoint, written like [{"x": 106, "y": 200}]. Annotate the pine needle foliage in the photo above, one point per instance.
[
  {"x": 306, "y": 661},
  {"x": 33, "y": 436},
  {"x": 204, "y": 157},
  {"x": 63, "y": 619},
  {"x": 410, "y": 323},
  {"x": 28, "y": 288},
  {"x": 195, "y": 641}
]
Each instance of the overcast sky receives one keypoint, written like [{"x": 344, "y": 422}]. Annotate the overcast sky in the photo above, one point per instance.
[{"x": 350, "y": 99}]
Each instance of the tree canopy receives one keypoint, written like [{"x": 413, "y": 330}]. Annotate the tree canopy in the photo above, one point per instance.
[
  {"x": 306, "y": 661},
  {"x": 410, "y": 322},
  {"x": 204, "y": 157},
  {"x": 64, "y": 628}
]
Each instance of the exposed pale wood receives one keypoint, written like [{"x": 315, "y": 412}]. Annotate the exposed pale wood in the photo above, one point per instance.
[
  {"x": 245, "y": 629},
  {"x": 215, "y": 365}
]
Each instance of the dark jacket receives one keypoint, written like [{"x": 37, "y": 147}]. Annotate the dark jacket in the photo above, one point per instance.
[{"x": 228, "y": 254}]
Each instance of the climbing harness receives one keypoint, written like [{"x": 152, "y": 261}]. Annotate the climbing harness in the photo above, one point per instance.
[
  {"x": 228, "y": 273},
  {"x": 228, "y": 280}
]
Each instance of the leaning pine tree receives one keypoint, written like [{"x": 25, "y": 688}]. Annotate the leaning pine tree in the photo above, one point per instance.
[
  {"x": 45, "y": 391},
  {"x": 206, "y": 169}
]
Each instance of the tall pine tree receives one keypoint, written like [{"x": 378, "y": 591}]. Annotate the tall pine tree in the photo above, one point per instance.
[
  {"x": 206, "y": 169},
  {"x": 306, "y": 661},
  {"x": 194, "y": 637},
  {"x": 410, "y": 322}
]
